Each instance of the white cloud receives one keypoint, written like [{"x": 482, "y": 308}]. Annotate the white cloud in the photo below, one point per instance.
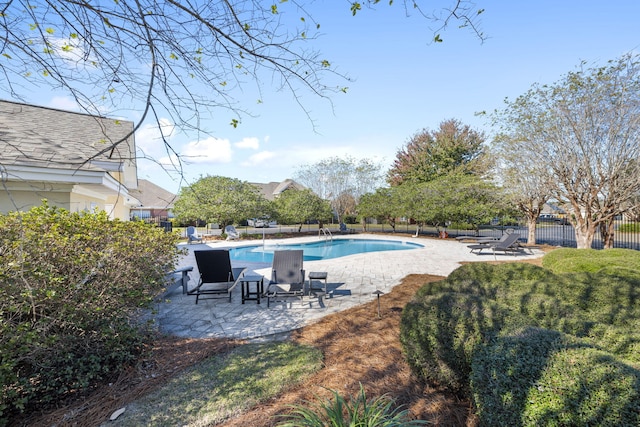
[
  {"x": 248, "y": 142},
  {"x": 210, "y": 150},
  {"x": 64, "y": 103},
  {"x": 259, "y": 158},
  {"x": 149, "y": 137}
]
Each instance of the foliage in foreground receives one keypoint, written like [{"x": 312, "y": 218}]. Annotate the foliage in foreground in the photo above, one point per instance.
[
  {"x": 355, "y": 411},
  {"x": 535, "y": 346},
  {"x": 72, "y": 284}
]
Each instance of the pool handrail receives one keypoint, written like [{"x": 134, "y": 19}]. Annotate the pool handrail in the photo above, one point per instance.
[{"x": 324, "y": 231}]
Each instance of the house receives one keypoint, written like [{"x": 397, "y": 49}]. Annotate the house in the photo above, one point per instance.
[
  {"x": 76, "y": 161},
  {"x": 155, "y": 201},
  {"x": 271, "y": 190}
]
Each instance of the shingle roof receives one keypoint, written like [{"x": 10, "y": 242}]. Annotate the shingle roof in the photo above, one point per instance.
[
  {"x": 272, "y": 189},
  {"x": 45, "y": 137},
  {"x": 153, "y": 196}
]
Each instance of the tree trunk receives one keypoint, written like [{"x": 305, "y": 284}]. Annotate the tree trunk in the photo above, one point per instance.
[
  {"x": 531, "y": 236},
  {"x": 585, "y": 232},
  {"x": 607, "y": 233}
]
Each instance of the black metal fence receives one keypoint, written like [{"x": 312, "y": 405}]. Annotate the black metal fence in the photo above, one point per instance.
[{"x": 549, "y": 234}]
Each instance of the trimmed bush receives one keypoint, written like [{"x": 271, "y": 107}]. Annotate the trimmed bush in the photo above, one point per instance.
[
  {"x": 582, "y": 386},
  {"x": 440, "y": 333},
  {"x": 505, "y": 370},
  {"x": 72, "y": 284},
  {"x": 531, "y": 345},
  {"x": 542, "y": 377},
  {"x": 567, "y": 260}
]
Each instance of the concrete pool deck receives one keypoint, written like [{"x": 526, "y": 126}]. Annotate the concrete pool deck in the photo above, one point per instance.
[{"x": 352, "y": 280}]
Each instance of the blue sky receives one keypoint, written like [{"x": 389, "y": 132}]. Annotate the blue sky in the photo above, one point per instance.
[{"x": 402, "y": 84}]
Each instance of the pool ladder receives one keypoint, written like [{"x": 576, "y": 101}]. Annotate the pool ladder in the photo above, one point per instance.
[{"x": 326, "y": 232}]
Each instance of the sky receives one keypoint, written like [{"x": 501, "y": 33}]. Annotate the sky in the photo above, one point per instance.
[{"x": 402, "y": 84}]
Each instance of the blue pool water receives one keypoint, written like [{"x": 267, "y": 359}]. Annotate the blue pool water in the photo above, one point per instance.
[{"x": 324, "y": 249}]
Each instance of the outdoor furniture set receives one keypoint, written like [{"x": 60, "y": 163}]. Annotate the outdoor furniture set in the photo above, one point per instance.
[{"x": 217, "y": 279}]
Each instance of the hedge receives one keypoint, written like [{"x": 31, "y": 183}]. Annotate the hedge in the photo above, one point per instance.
[
  {"x": 72, "y": 285},
  {"x": 534, "y": 346}
]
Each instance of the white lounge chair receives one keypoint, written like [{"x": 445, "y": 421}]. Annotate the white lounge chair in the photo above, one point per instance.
[
  {"x": 192, "y": 235},
  {"x": 231, "y": 232}
]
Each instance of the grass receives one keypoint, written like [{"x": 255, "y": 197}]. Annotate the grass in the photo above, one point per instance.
[{"x": 224, "y": 385}]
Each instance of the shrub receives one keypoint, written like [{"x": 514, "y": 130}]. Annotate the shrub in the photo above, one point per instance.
[
  {"x": 72, "y": 284},
  {"x": 356, "y": 411},
  {"x": 582, "y": 386},
  {"x": 633, "y": 227},
  {"x": 542, "y": 377},
  {"x": 503, "y": 372},
  {"x": 440, "y": 333},
  {"x": 567, "y": 260},
  {"x": 535, "y": 346}
]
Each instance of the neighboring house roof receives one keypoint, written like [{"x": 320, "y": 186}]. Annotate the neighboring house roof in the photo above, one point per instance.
[
  {"x": 152, "y": 196},
  {"x": 272, "y": 189}
]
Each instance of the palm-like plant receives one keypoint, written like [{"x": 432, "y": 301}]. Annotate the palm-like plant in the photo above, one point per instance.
[{"x": 354, "y": 412}]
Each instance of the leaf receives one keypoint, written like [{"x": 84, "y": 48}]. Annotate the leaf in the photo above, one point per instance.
[
  {"x": 437, "y": 39},
  {"x": 6, "y": 55},
  {"x": 274, "y": 9},
  {"x": 234, "y": 123},
  {"x": 355, "y": 7},
  {"x": 325, "y": 63},
  {"x": 50, "y": 30}
]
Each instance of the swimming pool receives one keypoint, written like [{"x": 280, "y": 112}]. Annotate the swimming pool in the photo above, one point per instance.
[{"x": 324, "y": 249}]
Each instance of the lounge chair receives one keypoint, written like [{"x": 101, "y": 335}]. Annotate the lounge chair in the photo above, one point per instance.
[
  {"x": 217, "y": 277},
  {"x": 231, "y": 232},
  {"x": 485, "y": 239},
  {"x": 345, "y": 230},
  {"x": 192, "y": 235},
  {"x": 508, "y": 244},
  {"x": 287, "y": 275}
]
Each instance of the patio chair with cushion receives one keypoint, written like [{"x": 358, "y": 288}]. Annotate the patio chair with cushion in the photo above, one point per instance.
[
  {"x": 217, "y": 277},
  {"x": 287, "y": 276}
]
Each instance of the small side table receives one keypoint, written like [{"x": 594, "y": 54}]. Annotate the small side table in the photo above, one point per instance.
[
  {"x": 318, "y": 275},
  {"x": 245, "y": 283}
]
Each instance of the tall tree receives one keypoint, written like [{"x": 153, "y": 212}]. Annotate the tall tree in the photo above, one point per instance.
[
  {"x": 451, "y": 198},
  {"x": 184, "y": 59},
  {"x": 383, "y": 204},
  {"x": 452, "y": 149},
  {"x": 299, "y": 206},
  {"x": 525, "y": 182},
  {"x": 341, "y": 180},
  {"x": 584, "y": 132},
  {"x": 219, "y": 199}
]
